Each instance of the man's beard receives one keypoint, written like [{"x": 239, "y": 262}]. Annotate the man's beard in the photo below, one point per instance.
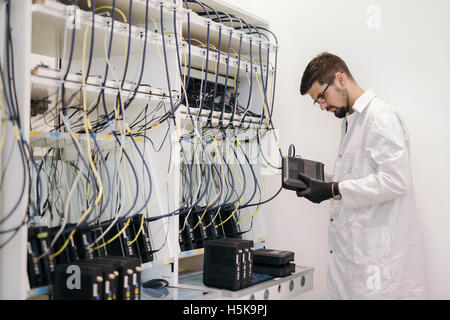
[{"x": 341, "y": 112}]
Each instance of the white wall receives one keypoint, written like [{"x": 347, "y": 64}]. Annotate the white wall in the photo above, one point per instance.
[{"x": 407, "y": 63}]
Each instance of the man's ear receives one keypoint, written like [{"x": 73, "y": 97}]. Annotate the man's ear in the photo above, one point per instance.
[{"x": 341, "y": 79}]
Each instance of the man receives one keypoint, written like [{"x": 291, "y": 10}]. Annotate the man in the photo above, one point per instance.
[{"x": 374, "y": 241}]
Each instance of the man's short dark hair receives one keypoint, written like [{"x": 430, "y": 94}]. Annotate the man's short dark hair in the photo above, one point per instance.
[{"x": 323, "y": 69}]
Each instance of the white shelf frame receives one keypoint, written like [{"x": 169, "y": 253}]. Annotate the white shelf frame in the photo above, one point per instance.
[{"x": 23, "y": 14}]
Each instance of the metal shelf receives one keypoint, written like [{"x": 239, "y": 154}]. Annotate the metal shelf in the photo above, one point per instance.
[
  {"x": 52, "y": 79},
  {"x": 156, "y": 263},
  {"x": 198, "y": 29},
  {"x": 64, "y": 140},
  {"x": 50, "y": 17},
  {"x": 198, "y": 61},
  {"x": 191, "y": 253},
  {"x": 278, "y": 288},
  {"x": 204, "y": 116},
  {"x": 250, "y": 18}
]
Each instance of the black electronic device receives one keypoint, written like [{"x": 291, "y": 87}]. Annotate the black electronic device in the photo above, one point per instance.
[
  {"x": 142, "y": 245},
  {"x": 155, "y": 284},
  {"x": 129, "y": 276},
  {"x": 212, "y": 231},
  {"x": 78, "y": 282},
  {"x": 222, "y": 265},
  {"x": 35, "y": 270},
  {"x": 247, "y": 259},
  {"x": 110, "y": 277},
  {"x": 225, "y": 263},
  {"x": 70, "y": 252},
  {"x": 199, "y": 220},
  {"x": 277, "y": 271},
  {"x": 40, "y": 272},
  {"x": 186, "y": 235},
  {"x": 292, "y": 166},
  {"x": 96, "y": 232},
  {"x": 83, "y": 240},
  {"x": 231, "y": 227},
  {"x": 120, "y": 246},
  {"x": 272, "y": 257}
]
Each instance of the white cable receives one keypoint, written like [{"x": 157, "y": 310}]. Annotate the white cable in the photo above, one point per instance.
[{"x": 66, "y": 209}]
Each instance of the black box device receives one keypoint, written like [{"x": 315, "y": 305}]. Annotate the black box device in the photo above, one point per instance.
[
  {"x": 293, "y": 165},
  {"x": 272, "y": 257},
  {"x": 277, "y": 263},
  {"x": 228, "y": 263}
]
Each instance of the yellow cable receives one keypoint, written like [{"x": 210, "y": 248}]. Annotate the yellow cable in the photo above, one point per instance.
[
  {"x": 242, "y": 188},
  {"x": 87, "y": 125},
  {"x": 265, "y": 110},
  {"x": 129, "y": 131},
  {"x": 124, "y": 19},
  {"x": 151, "y": 204},
  {"x": 130, "y": 213},
  {"x": 139, "y": 231},
  {"x": 118, "y": 10},
  {"x": 127, "y": 183},
  {"x": 259, "y": 206},
  {"x": 270, "y": 162},
  {"x": 149, "y": 19},
  {"x": 142, "y": 131},
  {"x": 217, "y": 195},
  {"x": 167, "y": 178}
]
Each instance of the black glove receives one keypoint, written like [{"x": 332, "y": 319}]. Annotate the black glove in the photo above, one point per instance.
[{"x": 317, "y": 191}]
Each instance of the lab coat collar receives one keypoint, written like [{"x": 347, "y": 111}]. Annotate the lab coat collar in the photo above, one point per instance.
[{"x": 362, "y": 102}]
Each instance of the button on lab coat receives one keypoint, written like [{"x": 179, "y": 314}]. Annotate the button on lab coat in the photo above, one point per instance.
[{"x": 374, "y": 243}]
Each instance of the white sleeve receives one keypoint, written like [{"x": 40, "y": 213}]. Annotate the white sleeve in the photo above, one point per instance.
[{"x": 387, "y": 150}]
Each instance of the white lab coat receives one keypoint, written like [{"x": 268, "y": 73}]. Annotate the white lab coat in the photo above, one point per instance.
[{"x": 374, "y": 243}]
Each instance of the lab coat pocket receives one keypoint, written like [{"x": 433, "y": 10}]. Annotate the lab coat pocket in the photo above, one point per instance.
[
  {"x": 371, "y": 250},
  {"x": 371, "y": 244}
]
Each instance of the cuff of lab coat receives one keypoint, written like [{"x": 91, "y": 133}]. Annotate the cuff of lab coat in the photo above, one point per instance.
[{"x": 349, "y": 198}]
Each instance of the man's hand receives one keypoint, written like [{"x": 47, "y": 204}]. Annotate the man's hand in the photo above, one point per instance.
[{"x": 317, "y": 191}]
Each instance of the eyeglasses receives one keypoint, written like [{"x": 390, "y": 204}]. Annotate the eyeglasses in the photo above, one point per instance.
[{"x": 321, "y": 99}]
